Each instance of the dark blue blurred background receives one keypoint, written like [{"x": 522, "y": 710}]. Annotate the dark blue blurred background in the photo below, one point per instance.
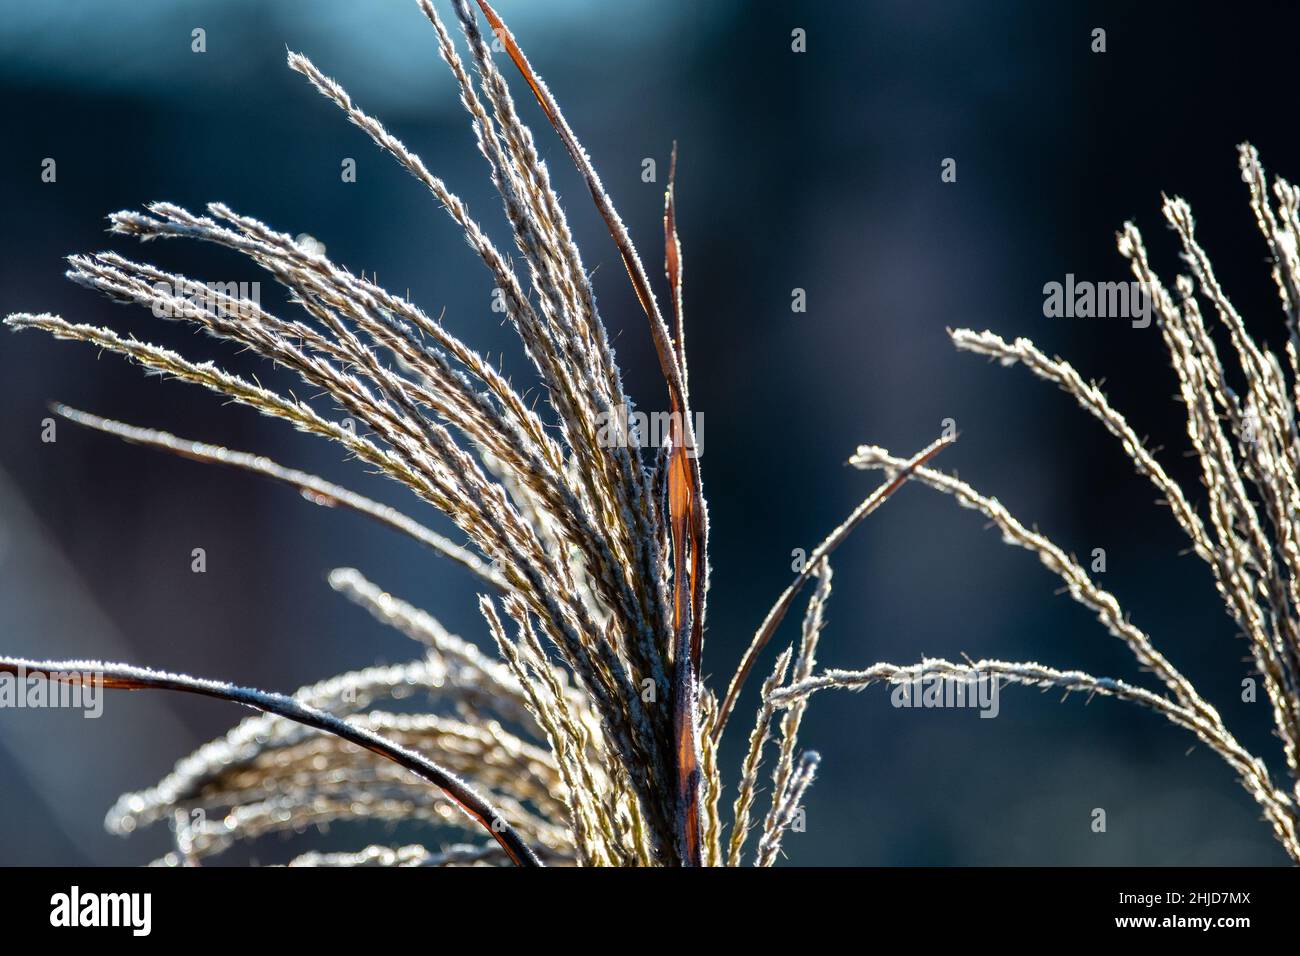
[{"x": 818, "y": 171}]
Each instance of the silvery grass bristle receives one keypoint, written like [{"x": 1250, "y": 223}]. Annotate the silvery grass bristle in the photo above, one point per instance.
[{"x": 585, "y": 734}]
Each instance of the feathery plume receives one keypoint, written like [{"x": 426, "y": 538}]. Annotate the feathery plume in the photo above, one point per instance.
[{"x": 590, "y": 737}]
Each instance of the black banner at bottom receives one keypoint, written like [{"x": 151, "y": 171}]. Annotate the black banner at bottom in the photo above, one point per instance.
[{"x": 337, "y": 906}]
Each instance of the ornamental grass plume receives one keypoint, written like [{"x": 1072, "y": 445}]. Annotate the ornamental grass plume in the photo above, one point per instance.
[
  {"x": 587, "y": 736},
  {"x": 1242, "y": 427}
]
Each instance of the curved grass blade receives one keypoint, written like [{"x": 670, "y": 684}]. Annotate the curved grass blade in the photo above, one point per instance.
[{"x": 126, "y": 677}]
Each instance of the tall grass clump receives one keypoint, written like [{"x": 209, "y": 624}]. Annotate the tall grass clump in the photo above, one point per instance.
[{"x": 588, "y": 736}]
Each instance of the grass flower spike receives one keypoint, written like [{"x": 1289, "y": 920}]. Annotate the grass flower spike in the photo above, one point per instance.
[{"x": 586, "y": 735}]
